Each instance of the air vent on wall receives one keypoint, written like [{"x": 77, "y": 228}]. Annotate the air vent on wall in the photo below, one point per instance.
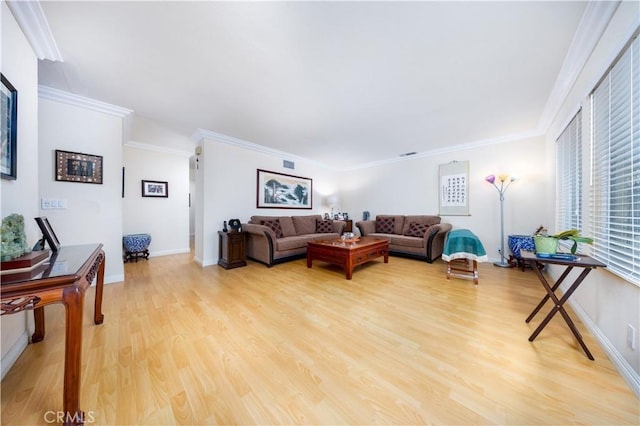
[
  {"x": 288, "y": 164},
  {"x": 406, "y": 154}
]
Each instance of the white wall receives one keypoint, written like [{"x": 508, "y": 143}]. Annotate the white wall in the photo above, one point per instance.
[
  {"x": 226, "y": 188},
  {"x": 605, "y": 302},
  {"x": 410, "y": 186},
  {"x": 165, "y": 219},
  {"x": 19, "y": 65},
  {"x": 94, "y": 212}
]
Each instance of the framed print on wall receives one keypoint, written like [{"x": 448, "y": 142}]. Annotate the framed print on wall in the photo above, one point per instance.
[
  {"x": 454, "y": 188},
  {"x": 78, "y": 167},
  {"x": 47, "y": 233},
  {"x": 155, "y": 188},
  {"x": 9, "y": 129},
  {"x": 281, "y": 191}
]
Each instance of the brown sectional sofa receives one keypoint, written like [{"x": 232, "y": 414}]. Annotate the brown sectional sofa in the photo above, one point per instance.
[
  {"x": 264, "y": 245},
  {"x": 403, "y": 234}
]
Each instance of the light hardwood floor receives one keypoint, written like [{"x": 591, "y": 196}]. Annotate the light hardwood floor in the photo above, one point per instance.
[{"x": 398, "y": 344}]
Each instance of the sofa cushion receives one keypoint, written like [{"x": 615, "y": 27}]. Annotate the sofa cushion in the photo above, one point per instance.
[
  {"x": 275, "y": 226},
  {"x": 385, "y": 225},
  {"x": 398, "y": 222},
  {"x": 428, "y": 220},
  {"x": 305, "y": 224},
  {"x": 292, "y": 243},
  {"x": 416, "y": 229},
  {"x": 288, "y": 230},
  {"x": 324, "y": 226}
]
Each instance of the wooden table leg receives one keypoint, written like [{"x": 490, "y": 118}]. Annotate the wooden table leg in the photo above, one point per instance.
[
  {"x": 38, "y": 318},
  {"x": 560, "y": 308},
  {"x": 98, "y": 316},
  {"x": 538, "y": 272},
  {"x": 475, "y": 272},
  {"x": 73, "y": 299}
]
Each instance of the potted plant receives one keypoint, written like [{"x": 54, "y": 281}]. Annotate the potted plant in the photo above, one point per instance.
[{"x": 549, "y": 243}]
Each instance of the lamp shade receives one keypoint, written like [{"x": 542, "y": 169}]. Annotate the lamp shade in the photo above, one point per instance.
[
  {"x": 333, "y": 200},
  {"x": 490, "y": 178}
]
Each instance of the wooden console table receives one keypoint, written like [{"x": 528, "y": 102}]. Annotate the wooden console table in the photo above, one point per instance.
[{"x": 64, "y": 279}]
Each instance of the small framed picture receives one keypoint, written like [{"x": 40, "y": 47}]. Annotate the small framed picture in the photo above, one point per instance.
[
  {"x": 9, "y": 118},
  {"x": 78, "y": 167},
  {"x": 155, "y": 188},
  {"x": 47, "y": 233}
]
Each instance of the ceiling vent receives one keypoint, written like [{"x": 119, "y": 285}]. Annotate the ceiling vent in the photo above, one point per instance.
[
  {"x": 406, "y": 154},
  {"x": 288, "y": 164}
]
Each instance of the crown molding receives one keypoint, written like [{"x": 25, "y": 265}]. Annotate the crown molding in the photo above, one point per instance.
[
  {"x": 46, "y": 92},
  {"x": 594, "y": 22},
  {"x": 230, "y": 140},
  {"x": 453, "y": 148},
  {"x": 158, "y": 148},
  {"x": 34, "y": 25},
  {"x": 201, "y": 134}
]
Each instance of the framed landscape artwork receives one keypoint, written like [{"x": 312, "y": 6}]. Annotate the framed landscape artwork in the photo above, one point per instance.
[
  {"x": 281, "y": 191},
  {"x": 78, "y": 167},
  {"x": 155, "y": 188},
  {"x": 9, "y": 127}
]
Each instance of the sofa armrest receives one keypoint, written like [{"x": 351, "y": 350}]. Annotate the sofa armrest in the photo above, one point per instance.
[
  {"x": 435, "y": 236},
  {"x": 338, "y": 226},
  {"x": 366, "y": 227},
  {"x": 261, "y": 230}
]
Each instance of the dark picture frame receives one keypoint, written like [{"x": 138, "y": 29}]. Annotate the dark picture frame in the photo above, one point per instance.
[
  {"x": 155, "y": 188},
  {"x": 78, "y": 167},
  {"x": 9, "y": 129},
  {"x": 281, "y": 191},
  {"x": 47, "y": 233}
]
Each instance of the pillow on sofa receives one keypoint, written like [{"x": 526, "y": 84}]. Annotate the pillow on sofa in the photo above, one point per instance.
[
  {"x": 385, "y": 225},
  {"x": 416, "y": 230},
  {"x": 324, "y": 226},
  {"x": 274, "y": 225}
]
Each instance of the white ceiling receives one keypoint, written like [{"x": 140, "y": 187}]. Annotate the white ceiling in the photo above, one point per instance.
[{"x": 342, "y": 83}]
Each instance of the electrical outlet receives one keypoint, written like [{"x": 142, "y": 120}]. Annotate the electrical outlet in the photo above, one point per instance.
[{"x": 631, "y": 336}]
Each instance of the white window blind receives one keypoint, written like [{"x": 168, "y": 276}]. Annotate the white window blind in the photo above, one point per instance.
[
  {"x": 615, "y": 168},
  {"x": 569, "y": 176}
]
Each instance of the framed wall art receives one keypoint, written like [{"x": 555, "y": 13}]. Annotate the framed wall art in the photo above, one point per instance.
[
  {"x": 454, "y": 188},
  {"x": 281, "y": 191},
  {"x": 47, "y": 233},
  {"x": 78, "y": 167},
  {"x": 9, "y": 129},
  {"x": 155, "y": 188}
]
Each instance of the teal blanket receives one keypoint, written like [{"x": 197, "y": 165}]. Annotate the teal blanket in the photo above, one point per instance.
[{"x": 463, "y": 244}]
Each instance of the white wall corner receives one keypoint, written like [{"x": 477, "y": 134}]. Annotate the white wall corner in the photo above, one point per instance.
[
  {"x": 31, "y": 19},
  {"x": 594, "y": 22},
  {"x": 201, "y": 134}
]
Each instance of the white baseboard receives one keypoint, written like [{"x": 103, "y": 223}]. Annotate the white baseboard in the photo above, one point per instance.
[
  {"x": 114, "y": 279},
  {"x": 624, "y": 368},
  {"x": 12, "y": 355},
  {"x": 169, "y": 252}
]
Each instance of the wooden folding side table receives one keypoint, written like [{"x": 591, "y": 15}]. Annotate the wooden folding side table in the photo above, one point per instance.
[{"x": 580, "y": 261}]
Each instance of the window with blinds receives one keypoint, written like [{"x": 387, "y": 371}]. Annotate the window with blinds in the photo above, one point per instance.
[
  {"x": 615, "y": 165},
  {"x": 569, "y": 176}
]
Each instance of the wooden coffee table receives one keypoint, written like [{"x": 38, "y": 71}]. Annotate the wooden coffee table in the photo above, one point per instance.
[{"x": 348, "y": 254}]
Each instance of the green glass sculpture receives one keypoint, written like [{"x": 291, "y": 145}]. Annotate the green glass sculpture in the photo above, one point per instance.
[{"x": 14, "y": 240}]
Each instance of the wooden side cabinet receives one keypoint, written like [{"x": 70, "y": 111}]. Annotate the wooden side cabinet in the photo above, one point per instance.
[
  {"x": 348, "y": 227},
  {"x": 232, "y": 247}
]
